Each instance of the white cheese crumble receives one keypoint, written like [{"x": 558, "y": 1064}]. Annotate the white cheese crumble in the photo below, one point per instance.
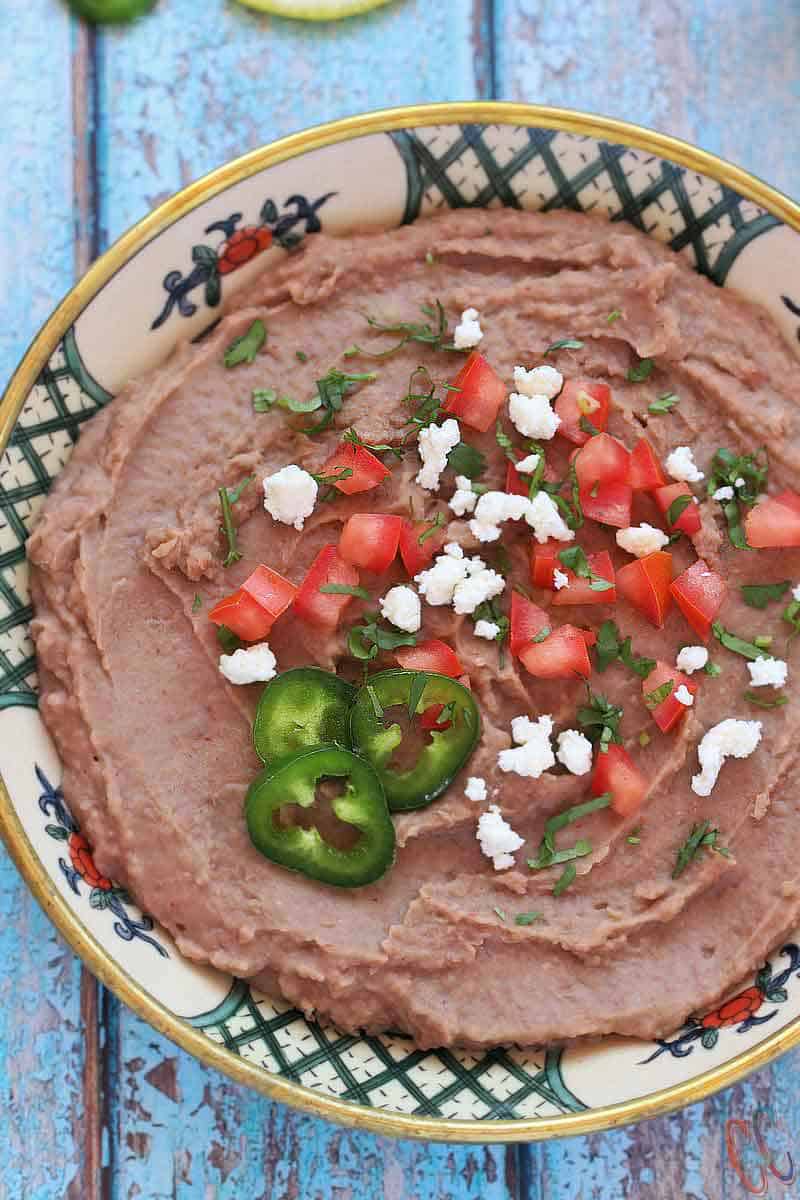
[
  {"x": 251, "y": 664},
  {"x": 546, "y": 521},
  {"x": 684, "y": 696},
  {"x": 463, "y": 582},
  {"x": 681, "y": 465},
  {"x": 434, "y": 444},
  {"x": 729, "y": 739},
  {"x": 526, "y": 466},
  {"x": 532, "y": 755},
  {"x": 467, "y": 332},
  {"x": 401, "y": 607},
  {"x": 486, "y": 629},
  {"x": 498, "y": 840},
  {"x": 541, "y": 381},
  {"x": 640, "y": 540},
  {"x": 492, "y": 509},
  {"x": 560, "y": 579},
  {"x": 739, "y": 482},
  {"x": 796, "y": 593},
  {"x": 723, "y": 493},
  {"x": 463, "y": 499},
  {"x": 532, "y": 416},
  {"x": 574, "y": 751},
  {"x": 476, "y": 788},
  {"x": 290, "y": 495},
  {"x": 768, "y": 672},
  {"x": 691, "y": 659}
]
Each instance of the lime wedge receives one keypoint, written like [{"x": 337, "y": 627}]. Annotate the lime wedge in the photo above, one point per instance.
[{"x": 314, "y": 10}]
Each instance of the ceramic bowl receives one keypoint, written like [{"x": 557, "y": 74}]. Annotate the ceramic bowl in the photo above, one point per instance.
[{"x": 170, "y": 275}]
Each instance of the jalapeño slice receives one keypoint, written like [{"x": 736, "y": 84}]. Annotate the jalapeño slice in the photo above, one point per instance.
[
  {"x": 376, "y": 736},
  {"x": 302, "y": 708},
  {"x": 362, "y": 805}
]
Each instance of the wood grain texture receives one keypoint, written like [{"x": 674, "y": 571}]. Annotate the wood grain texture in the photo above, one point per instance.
[
  {"x": 726, "y": 77},
  {"x": 113, "y": 1110}
]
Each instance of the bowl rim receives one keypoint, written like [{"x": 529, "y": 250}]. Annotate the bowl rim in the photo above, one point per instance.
[{"x": 100, "y": 962}]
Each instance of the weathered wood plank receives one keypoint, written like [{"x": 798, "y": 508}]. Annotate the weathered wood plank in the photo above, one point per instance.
[
  {"x": 181, "y": 93},
  {"x": 723, "y": 77},
  {"x": 45, "y": 1060}
]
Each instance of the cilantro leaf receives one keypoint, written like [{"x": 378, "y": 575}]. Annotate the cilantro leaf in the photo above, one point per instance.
[
  {"x": 641, "y": 370},
  {"x": 600, "y": 718},
  {"x": 364, "y": 641},
  {"x": 776, "y": 701},
  {"x": 676, "y": 509},
  {"x": 565, "y": 880},
  {"x": 504, "y": 441},
  {"x": 344, "y": 589},
  {"x": 437, "y": 523},
  {"x": 197, "y": 603},
  {"x": 527, "y": 918},
  {"x": 701, "y": 835},
  {"x": 466, "y": 460},
  {"x": 227, "y": 498},
  {"x": 228, "y": 640},
  {"x": 413, "y": 331},
  {"x": 736, "y": 644},
  {"x": 245, "y": 348},
  {"x": 613, "y": 316},
  {"x": 564, "y": 344},
  {"x": 758, "y": 595},
  {"x": 331, "y": 391},
  {"x": 726, "y": 469},
  {"x": 663, "y": 404},
  {"x": 659, "y": 694}
]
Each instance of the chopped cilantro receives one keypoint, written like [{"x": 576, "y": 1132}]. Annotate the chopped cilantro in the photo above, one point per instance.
[
  {"x": 227, "y": 498},
  {"x": 574, "y": 558},
  {"x": 663, "y": 404},
  {"x": 587, "y": 426},
  {"x": 331, "y": 391},
  {"x": 564, "y": 344},
  {"x": 701, "y": 835},
  {"x": 633, "y": 838},
  {"x": 736, "y": 644},
  {"x": 245, "y": 348},
  {"x": 726, "y": 468},
  {"x": 504, "y": 441},
  {"x": 565, "y": 879},
  {"x": 713, "y": 669},
  {"x": 570, "y": 815},
  {"x": 644, "y": 739},
  {"x": 641, "y": 371},
  {"x": 437, "y": 523},
  {"x": 197, "y": 603},
  {"x": 542, "y": 635},
  {"x": 676, "y": 509},
  {"x": 488, "y": 611},
  {"x": 374, "y": 447},
  {"x": 527, "y": 918},
  {"x": 791, "y": 614},
  {"x": 759, "y": 595},
  {"x": 613, "y": 316},
  {"x": 659, "y": 694},
  {"x": 344, "y": 589},
  {"x": 424, "y": 332},
  {"x": 499, "y": 912},
  {"x": 301, "y": 356},
  {"x": 228, "y": 640},
  {"x": 611, "y": 647},
  {"x": 776, "y": 701},
  {"x": 466, "y": 460},
  {"x": 364, "y": 641},
  {"x": 600, "y": 718}
]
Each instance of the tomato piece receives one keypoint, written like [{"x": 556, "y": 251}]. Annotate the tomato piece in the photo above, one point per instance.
[
  {"x": 480, "y": 396},
  {"x": 698, "y": 593},
  {"x": 415, "y": 555},
  {"x": 370, "y": 540},
  {"x": 515, "y": 483},
  {"x": 645, "y": 584},
  {"x": 610, "y": 504},
  {"x": 544, "y": 560},
  {"x": 774, "y": 523},
  {"x": 432, "y": 655},
  {"x": 645, "y": 472},
  {"x": 602, "y": 460},
  {"x": 582, "y": 398},
  {"x": 320, "y": 608},
  {"x": 670, "y": 711},
  {"x": 243, "y": 615},
  {"x": 589, "y": 636},
  {"x": 580, "y": 590},
  {"x": 368, "y": 471},
  {"x": 617, "y": 773},
  {"x": 689, "y": 520},
  {"x": 562, "y": 655},
  {"x": 429, "y": 719},
  {"x": 527, "y": 619},
  {"x": 270, "y": 590}
]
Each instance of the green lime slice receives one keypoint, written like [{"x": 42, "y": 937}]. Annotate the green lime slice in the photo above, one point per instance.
[
  {"x": 314, "y": 10},
  {"x": 110, "y": 12}
]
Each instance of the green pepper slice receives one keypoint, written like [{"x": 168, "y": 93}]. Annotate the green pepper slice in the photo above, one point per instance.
[
  {"x": 301, "y": 708},
  {"x": 362, "y": 805},
  {"x": 440, "y": 759}
]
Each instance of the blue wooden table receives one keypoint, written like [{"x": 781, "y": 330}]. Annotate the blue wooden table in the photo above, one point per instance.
[{"x": 98, "y": 127}]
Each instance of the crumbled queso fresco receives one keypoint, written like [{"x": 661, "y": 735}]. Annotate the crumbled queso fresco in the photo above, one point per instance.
[
  {"x": 691, "y": 659},
  {"x": 728, "y": 739},
  {"x": 498, "y": 840},
  {"x": 254, "y": 664},
  {"x": 290, "y": 495},
  {"x": 768, "y": 672},
  {"x": 532, "y": 754},
  {"x": 463, "y": 582},
  {"x": 486, "y": 629},
  {"x": 574, "y": 751},
  {"x": 401, "y": 607},
  {"x": 681, "y": 465},
  {"x": 476, "y": 788},
  {"x": 641, "y": 540},
  {"x": 435, "y": 443},
  {"x": 463, "y": 499},
  {"x": 467, "y": 332}
]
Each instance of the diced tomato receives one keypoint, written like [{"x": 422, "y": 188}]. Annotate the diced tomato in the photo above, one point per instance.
[
  {"x": 368, "y": 471},
  {"x": 515, "y": 483},
  {"x": 589, "y": 636},
  {"x": 602, "y": 460},
  {"x": 562, "y": 655},
  {"x": 689, "y": 520},
  {"x": 321, "y": 608},
  {"x": 243, "y": 615},
  {"x": 670, "y": 711},
  {"x": 544, "y": 561},
  {"x": 429, "y": 719},
  {"x": 645, "y": 473},
  {"x": 527, "y": 619},
  {"x": 698, "y": 593},
  {"x": 774, "y": 523},
  {"x": 617, "y": 773},
  {"x": 432, "y": 655},
  {"x": 582, "y": 398},
  {"x": 610, "y": 504},
  {"x": 415, "y": 555},
  {"x": 645, "y": 584},
  {"x": 480, "y": 396},
  {"x": 270, "y": 590},
  {"x": 580, "y": 590},
  {"x": 370, "y": 540}
]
